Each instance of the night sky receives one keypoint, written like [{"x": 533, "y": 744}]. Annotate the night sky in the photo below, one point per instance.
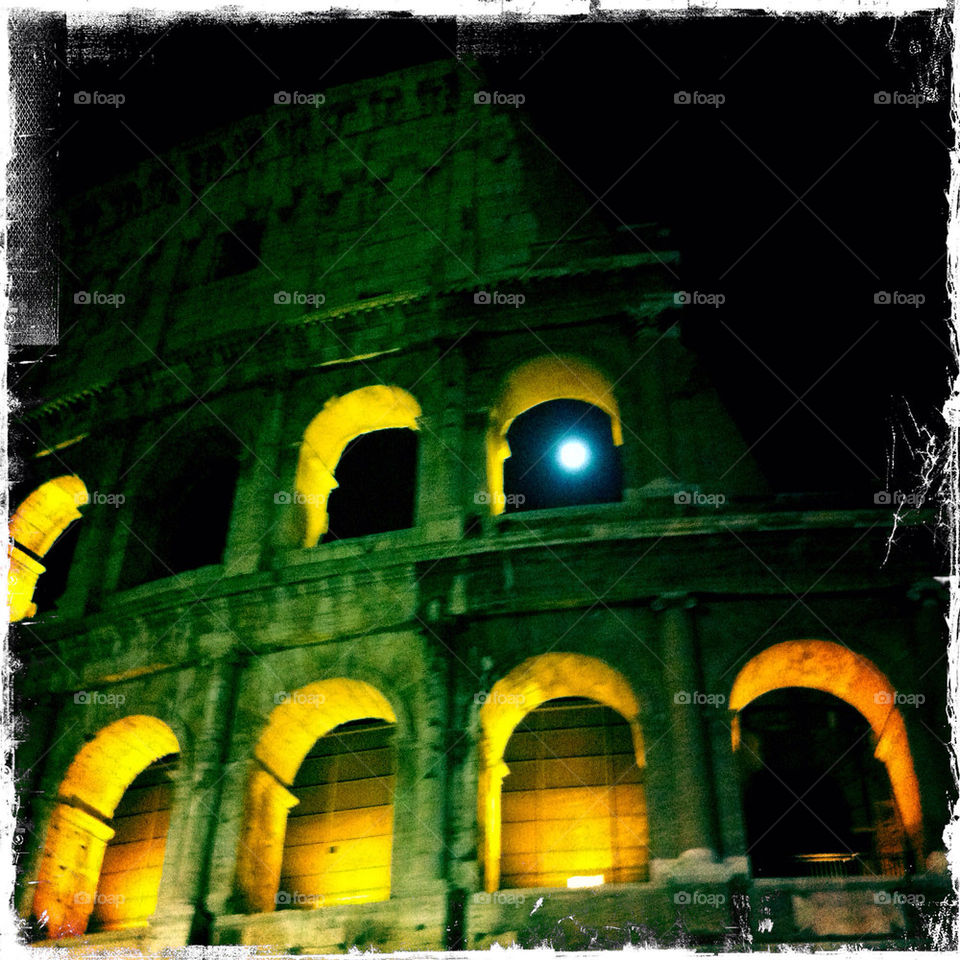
[{"x": 798, "y": 199}]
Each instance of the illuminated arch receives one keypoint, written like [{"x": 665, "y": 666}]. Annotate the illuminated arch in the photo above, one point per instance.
[
  {"x": 340, "y": 421},
  {"x": 36, "y": 525},
  {"x": 77, "y": 835},
  {"x": 539, "y": 381},
  {"x": 531, "y": 683},
  {"x": 834, "y": 669},
  {"x": 306, "y": 715}
]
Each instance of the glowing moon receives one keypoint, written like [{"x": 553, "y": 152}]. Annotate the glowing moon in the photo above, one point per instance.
[{"x": 573, "y": 455}]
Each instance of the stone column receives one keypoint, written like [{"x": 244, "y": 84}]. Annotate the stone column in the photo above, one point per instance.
[
  {"x": 260, "y": 851},
  {"x": 693, "y": 794},
  {"x": 260, "y": 483},
  {"x": 70, "y": 870},
  {"x": 198, "y": 795},
  {"x": 654, "y": 460},
  {"x": 31, "y": 841},
  {"x": 88, "y": 575},
  {"x": 440, "y": 503}
]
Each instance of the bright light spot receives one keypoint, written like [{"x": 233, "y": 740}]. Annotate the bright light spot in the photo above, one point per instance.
[
  {"x": 595, "y": 881},
  {"x": 573, "y": 454}
]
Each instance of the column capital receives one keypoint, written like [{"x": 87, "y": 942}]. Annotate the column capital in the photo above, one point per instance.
[
  {"x": 672, "y": 600},
  {"x": 932, "y": 590}
]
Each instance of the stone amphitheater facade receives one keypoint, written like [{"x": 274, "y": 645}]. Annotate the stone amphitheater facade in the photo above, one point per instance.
[{"x": 416, "y": 267}]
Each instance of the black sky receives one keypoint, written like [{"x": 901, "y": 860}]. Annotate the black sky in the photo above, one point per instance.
[{"x": 799, "y": 199}]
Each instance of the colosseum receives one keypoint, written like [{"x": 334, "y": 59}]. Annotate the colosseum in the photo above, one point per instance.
[{"x": 379, "y": 592}]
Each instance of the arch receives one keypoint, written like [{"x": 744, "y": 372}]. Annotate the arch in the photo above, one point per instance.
[
  {"x": 531, "y": 683},
  {"x": 78, "y": 832},
  {"x": 364, "y": 410},
  {"x": 834, "y": 669},
  {"x": 539, "y": 381},
  {"x": 185, "y": 488},
  {"x": 35, "y": 525},
  {"x": 303, "y": 717}
]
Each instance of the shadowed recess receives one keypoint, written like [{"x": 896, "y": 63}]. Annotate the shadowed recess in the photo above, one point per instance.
[{"x": 832, "y": 668}]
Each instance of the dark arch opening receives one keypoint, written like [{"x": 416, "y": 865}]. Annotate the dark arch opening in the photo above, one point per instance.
[
  {"x": 58, "y": 561},
  {"x": 816, "y": 801},
  {"x": 181, "y": 513},
  {"x": 534, "y": 475},
  {"x": 376, "y": 477}
]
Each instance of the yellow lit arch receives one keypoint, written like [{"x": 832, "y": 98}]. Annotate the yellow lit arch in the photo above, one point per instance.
[
  {"x": 832, "y": 668},
  {"x": 539, "y": 381},
  {"x": 340, "y": 421},
  {"x": 78, "y": 833},
  {"x": 36, "y": 525},
  {"x": 531, "y": 683},
  {"x": 306, "y": 715}
]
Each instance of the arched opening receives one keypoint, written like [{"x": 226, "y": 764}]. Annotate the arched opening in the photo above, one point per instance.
[
  {"x": 565, "y": 454},
  {"x": 816, "y": 800},
  {"x": 382, "y": 468},
  {"x": 237, "y": 250},
  {"x": 844, "y": 750},
  {"x": 376, "y": 482},
  {"x": 43, "y": 531},
  {"x": 573, "y": 805},
  {"x": 133, "y": 861},
  {"x": 58, "y": 562},
  {"x": 562, "y": 455},
  {"x": 537, "y": 681},
  {"x": 297, "y": 760},
  {"x": 82, "y": 825},
  {"x": 339, "y": 836},
  {"x": 181, "y": 508}
]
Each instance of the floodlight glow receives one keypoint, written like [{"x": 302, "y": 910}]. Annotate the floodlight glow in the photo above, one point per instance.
[
  {"x": 573, "y": 454},
  {"x": 594, "y": 881}
]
